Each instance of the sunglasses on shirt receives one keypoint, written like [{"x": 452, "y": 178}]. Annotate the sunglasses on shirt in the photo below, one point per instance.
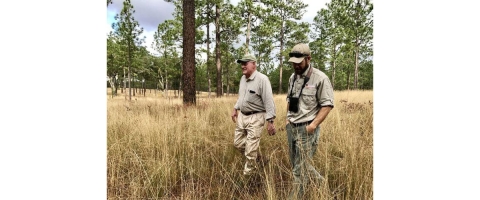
[{"x": 297, "y": 54}]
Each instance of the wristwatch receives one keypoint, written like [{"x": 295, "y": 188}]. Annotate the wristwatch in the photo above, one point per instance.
[{"x": 270, "y": 120}]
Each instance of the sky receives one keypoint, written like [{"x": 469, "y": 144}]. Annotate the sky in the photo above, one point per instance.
[{"x": 150, "y": 13}]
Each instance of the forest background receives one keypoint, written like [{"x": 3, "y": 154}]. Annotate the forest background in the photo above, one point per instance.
[{"x": 340, "y": 37}]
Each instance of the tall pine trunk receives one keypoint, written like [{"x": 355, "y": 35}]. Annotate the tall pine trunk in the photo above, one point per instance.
[
  {"x": 165, "y": 87},
  {"x": 333, "y": 74},
  {"x": 129, "y": 78},
  {"x": 188, "y": 75},
  {"x": 208, "y": 59},
  {"x": 282, "y": 35},
  {"x": 124, "y": 83},
  {"x": 247, "y": 40},
  {"x": 111, "y": 81},
  {"x": 356, "y": 63},
  {"x": 217, "y": 51}
]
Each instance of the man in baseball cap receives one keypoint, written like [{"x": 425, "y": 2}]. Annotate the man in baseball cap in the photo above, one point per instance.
[
  {"x": 298, "y": 53},
  {"x": 247, "y": 58},
  {"x": 309, "y": 101},
  {"x": 257, "y": 108},
  {"x": 300, "y": 58}
]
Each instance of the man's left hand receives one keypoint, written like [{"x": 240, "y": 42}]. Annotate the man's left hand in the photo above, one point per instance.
[
  {"x": 271, "y": 128},
  {"x": 310, "y": 128}
]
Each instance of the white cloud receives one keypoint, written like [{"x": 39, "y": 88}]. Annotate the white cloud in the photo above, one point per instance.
[
  {"x": 313, "y": 7},
  {"x": 108, "y": 28},
  {"x": 148, "y": 40},
  {"x": 148, "y": 14}
]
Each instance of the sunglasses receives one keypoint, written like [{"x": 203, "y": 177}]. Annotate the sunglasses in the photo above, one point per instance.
[{"x": 297, "y": 54}]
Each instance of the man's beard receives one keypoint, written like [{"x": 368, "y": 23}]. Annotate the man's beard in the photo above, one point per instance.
[{"x": 303, "y": 70}]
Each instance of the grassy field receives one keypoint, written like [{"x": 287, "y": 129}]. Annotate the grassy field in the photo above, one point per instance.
[{"x": 159, "y": 149}]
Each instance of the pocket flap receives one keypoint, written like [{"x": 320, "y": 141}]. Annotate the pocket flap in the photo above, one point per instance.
[{"x": 309, "y": 91}]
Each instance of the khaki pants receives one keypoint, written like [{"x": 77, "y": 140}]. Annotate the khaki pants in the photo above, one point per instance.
[{"x": 247, "y": 137}]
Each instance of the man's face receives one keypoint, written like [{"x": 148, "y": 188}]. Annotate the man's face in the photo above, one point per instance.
[
  {"x": 302, "y": 66},
  {"x": 248, "y": 68}
]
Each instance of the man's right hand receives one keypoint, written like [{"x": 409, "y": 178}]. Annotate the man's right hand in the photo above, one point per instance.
[{"x": 234, "y": 115}]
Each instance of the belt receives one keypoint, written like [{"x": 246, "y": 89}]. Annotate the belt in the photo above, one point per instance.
[
  {"x": 249, "y": 113},
  {"x": 301, "y": 123}
]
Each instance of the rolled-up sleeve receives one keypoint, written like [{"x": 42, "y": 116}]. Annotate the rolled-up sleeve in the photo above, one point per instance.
[{"x": 325, "y": 93}]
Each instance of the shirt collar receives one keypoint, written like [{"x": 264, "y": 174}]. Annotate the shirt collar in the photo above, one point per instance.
[
  {"x": 252, "y": 76},
  {"x": 306, "y": 71}
]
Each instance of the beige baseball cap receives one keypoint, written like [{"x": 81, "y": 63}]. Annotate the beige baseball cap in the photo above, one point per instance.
[
  {"x": 246, "y": 58},
  {"x": 298, "y": 53}
]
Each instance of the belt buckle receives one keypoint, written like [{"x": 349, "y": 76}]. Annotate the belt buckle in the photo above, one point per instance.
[
  {"x": 297, "y": 124},
  {"x": 247, "y": 113},
  {"x": 301, "y": 123}
]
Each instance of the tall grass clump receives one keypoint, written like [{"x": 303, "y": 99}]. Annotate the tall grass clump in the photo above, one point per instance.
[{"x": 159, "y": 149}]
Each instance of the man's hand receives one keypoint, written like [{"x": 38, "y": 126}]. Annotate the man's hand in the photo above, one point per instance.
[
  {"x": 234, "y": 115},
  {"x": 310, "y": 128},
  {"x": 271, "y": 128}
]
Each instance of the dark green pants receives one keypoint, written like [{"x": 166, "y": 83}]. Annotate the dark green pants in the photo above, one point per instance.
[{"x": 302, "y": 146}]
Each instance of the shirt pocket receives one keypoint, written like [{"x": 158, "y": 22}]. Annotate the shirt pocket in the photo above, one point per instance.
[
  {"x": 309, "y": 97},
  {"x": 253, "y": 97}
]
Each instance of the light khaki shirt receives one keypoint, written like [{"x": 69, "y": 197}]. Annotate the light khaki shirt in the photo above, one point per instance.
[
  {"x": 317, "y": 92},
  {"x": 255, "y": 94}
]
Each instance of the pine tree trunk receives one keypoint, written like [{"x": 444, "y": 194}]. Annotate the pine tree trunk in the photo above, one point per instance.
[
  {"x": 217, "y": 51},
  {"x": 111, "y": 80},
  {"x": 124, "y": 83},
  {"x": 228, "y": 81},
  {"x": 166, "y": 83},
  {"x": 129, "y": 76},
  {"x": 281, "y": 58},
  {"x": 356, "y": 64},
  {"x": 247, "y": 40},
  {"x": 189, "y": 97},
  {"x": 333, "y": 75},
  {"x": 208, "y": 59}
]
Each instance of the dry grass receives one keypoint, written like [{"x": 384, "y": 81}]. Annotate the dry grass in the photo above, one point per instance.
[{"x": 159, "y": 149}]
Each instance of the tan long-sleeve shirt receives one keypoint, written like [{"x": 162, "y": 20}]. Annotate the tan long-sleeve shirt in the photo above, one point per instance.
[
  {"x": 255, "y": 94},
  {"x": 318, "y": 92}
]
